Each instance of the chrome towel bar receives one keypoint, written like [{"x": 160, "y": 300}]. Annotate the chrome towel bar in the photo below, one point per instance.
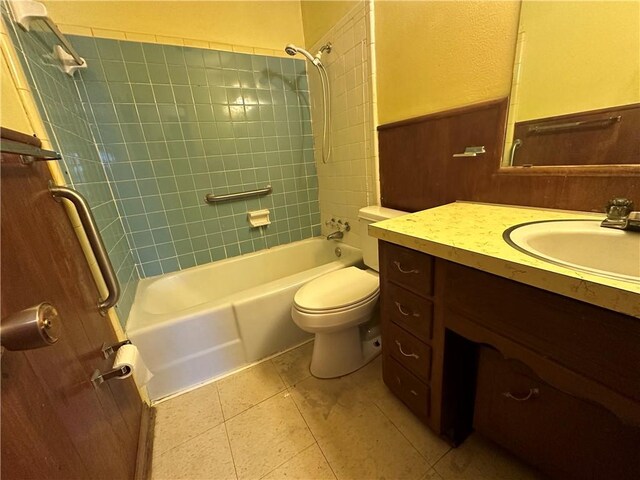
[
  {"x": 28, "y": 153},
  {"x": 560, "y": 127},
  {"x": 211, "y": 198},
  {"x": 95, "y": 240},
  {"x": 26, "y": 11}
]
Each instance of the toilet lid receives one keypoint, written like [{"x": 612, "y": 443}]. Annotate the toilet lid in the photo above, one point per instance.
[{"x": 338, "y": 289}]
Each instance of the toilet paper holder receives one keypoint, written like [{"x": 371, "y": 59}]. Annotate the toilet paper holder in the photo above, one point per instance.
[
  {"x": 108, "y": 350},
  {"x": 99, "y": 378}
]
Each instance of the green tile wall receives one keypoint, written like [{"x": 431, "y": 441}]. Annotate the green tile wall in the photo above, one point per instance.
[
  {"x": 69, "y": 130},
  {"x": 175, "y": 123},
  {"x": 147, "y": 130}
]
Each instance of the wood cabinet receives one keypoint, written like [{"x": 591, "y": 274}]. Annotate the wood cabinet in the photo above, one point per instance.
[
  {"x": 567, "y": 437},
  {"x": 406, "y": 294},
  {"x": 577, "y": 365}
]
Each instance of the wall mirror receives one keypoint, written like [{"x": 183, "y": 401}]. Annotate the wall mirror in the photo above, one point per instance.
[{"x": 575, "y": 94}]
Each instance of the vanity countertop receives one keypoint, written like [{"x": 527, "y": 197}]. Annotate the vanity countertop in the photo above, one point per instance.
[{"x": 471, "y": 234}]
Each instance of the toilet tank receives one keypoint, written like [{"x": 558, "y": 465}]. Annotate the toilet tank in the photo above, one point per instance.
[{"x": 369, "y": 246}]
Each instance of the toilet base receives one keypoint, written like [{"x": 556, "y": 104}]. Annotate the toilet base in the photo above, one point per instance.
[{"x": 340, "y": 353}]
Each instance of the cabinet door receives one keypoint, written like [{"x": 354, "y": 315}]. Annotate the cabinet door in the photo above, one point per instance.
[
  {"x": 54, "y": 423},
  {"x": 559, "y": 434}
]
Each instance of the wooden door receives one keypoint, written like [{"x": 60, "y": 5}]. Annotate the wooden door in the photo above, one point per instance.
[{"x": 55, "y": 424}]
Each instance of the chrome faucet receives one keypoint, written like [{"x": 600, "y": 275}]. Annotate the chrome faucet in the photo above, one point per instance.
[
  {"x": 342, "y": 227},
  {"x": 620, "y": 215}
]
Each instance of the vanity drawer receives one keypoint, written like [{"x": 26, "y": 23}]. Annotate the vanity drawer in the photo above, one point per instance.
[
  {"x": 413, "y": 270},
  {"x": 406, "y": 386},
  {"x": 410, "y": 311},
  {"x": 408, "y": 351},
  {"x": 596, "y": 343},
  {"x": 560, "y": 434}
]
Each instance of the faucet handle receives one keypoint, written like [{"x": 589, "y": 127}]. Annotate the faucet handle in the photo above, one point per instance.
[
  {"x": 618, "y": 208},
  {"x": 343, "y": 227}
]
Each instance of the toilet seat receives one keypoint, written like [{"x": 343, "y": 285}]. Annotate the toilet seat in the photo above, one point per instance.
[
  {"x": 353, "y": 306},
  {"x": 338, "y": 291}
]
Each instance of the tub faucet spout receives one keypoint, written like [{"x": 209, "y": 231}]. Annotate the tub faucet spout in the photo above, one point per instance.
[{"x": 335, "y": 235}]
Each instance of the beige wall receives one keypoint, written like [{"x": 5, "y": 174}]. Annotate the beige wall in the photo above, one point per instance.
[
  {"x": 268, "y": 25},
  {"x": 571, "y": 50},
  {"x": 318, "y": 17},
  {"x": 15, "y": 97},
  {"x": 12, "y": 114},
  {"x": 433, "y": 56}
]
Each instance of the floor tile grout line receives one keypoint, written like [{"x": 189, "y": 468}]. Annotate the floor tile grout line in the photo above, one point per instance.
[
  {"x": 201, "y": 433},
  {"x": 440, "y": 459},
  {"x": 254, "y": 405},
  {"x": 226, "y": 431},
  {"x": 188, "y": 440},
  {"x": 407, "y": 438},
  {"x": 275, "y": 367},
  {"x": 288, "y": 460},
  {"x": 375, "y": 404},
  {"x": 312, "y": 434}
]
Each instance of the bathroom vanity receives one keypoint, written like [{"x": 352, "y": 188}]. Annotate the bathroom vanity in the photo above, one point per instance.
[{"x": 543, "y": 359}]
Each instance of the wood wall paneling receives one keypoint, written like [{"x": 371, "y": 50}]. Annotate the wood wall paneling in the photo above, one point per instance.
[
  {"x": 418, "y": 170},
  {"x": 589, "y": 143}
]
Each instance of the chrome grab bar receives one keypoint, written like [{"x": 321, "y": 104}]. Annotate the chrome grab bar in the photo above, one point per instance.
[
  {"x": 95, "y": 240},
  {"x": 211, "y": 198}
]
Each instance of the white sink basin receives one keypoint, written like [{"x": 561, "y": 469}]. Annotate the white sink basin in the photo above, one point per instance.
[{"x": 580, "y": 245}]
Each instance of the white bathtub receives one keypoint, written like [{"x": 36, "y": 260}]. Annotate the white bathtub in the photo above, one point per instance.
[{"x": 199, "y": 323}]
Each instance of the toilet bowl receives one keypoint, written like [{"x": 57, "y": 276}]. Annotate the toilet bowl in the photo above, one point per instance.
[
  {"x": 332, "y": 309},
  {"x": 340, "y": 308}
]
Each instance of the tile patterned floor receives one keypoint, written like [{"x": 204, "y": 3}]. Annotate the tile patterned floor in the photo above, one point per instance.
[{"x": 276, "y": 421}]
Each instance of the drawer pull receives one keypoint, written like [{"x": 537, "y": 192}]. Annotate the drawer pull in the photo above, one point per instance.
[
  {"x": 406, "y": 354},
  {"x": 413, "y": 392},
  {"x": 533, "y": 392},
  {"x": 402, "y": 270},
  {"x": 402, "y": 312}
]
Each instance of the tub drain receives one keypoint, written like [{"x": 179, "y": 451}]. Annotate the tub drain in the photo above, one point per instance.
[{"x": 338, "y": 252}]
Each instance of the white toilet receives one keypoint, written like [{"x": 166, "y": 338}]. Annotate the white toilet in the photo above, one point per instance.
[{"x": 340, "y": 308}]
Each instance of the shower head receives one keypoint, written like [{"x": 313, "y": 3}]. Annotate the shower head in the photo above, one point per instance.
[{"x": 292, "y": 50}]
